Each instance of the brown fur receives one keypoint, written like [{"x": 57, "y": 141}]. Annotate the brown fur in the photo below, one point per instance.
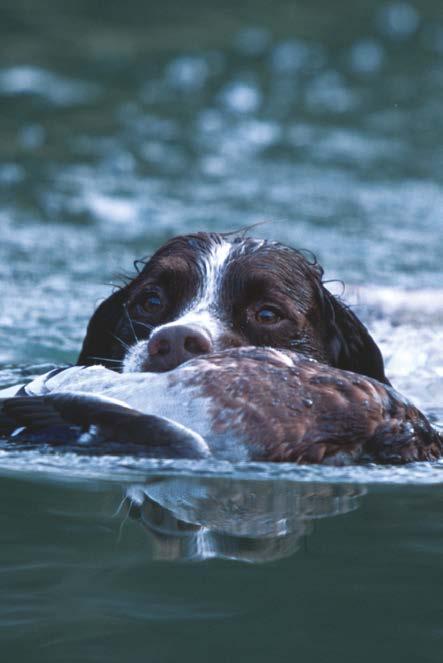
[{"x": 314, "y": 322}]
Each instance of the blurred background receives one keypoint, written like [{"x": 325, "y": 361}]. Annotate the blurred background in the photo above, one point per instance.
[{"x": 125, "y": 123}]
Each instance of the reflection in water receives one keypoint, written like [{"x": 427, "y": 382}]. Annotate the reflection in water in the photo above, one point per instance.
[{"x": 197, "y": 518}]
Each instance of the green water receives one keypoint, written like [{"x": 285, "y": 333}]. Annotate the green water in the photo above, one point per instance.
[
  {"x": 122, "y": 124},
  {"x": 364, "y": 585}
]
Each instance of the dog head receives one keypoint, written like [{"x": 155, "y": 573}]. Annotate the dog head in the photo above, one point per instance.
[{"x": 207, "y": 292}]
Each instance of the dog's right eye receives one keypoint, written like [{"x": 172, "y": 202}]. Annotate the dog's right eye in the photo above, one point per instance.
[
  {"x": 152, "y": 302},
  {"x": 267, "y": 315}
]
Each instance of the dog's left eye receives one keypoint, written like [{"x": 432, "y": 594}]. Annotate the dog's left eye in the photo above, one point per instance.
[
  {"x": 267, "y": 316},
  {"x": 152, "y": 302}
]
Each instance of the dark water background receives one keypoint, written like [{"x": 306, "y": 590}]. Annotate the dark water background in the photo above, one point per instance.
[{"x": 122, "y": 124}]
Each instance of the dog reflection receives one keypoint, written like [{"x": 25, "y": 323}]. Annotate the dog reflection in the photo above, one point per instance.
[{"x": 196, "y": 518}]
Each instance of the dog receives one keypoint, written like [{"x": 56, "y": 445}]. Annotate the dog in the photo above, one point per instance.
[
  {"x": 250, "y": 356},
  {"x": 208, "y": 292}
]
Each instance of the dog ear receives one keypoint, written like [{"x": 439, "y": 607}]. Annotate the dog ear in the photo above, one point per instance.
[
  {"x": 350, "y": 345},
  {"x": 100, "y": 338}
]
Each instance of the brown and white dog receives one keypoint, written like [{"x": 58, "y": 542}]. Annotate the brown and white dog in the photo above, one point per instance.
[
  {"x": 231, "y": 348},
  {"x": 208, "y": 292}
]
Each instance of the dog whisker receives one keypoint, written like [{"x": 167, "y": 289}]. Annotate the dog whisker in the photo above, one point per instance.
[
  {"x": 144, "y": 324},
  {"x": 130, "y": 322},
  {"x": 108, "y": 359},
  {"x": 125, "y": 345}
]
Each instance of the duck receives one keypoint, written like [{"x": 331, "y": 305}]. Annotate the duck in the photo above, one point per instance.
[{"x": 241, "y": 404}]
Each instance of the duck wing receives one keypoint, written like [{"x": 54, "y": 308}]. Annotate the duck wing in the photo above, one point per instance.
[{"x": 98, "y": 424}]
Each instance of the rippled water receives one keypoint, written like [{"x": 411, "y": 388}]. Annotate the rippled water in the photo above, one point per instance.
[{"x": 124, "y": 124}]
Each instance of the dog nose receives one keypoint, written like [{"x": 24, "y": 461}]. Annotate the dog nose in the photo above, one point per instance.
[{"x": 173, "y": 345}]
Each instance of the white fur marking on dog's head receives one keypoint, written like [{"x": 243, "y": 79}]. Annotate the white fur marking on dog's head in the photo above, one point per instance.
[{"x": 202, "y": 310}]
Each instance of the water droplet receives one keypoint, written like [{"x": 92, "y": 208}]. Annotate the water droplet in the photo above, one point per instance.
[
  {"x": 329, "y": 92},
  {"x": 398, "y": 20},
  {"x": 32, "y": 136},
  {"x": 188, "y": 73},
  {"x": 11, "y": 173},
  {"x": 292, "y": 56},
  {"x": 366, "y": 56},
  {"x": 241, "y": 97}
]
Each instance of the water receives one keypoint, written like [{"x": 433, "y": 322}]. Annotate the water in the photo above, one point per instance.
[{"x": 124, "y": 124}]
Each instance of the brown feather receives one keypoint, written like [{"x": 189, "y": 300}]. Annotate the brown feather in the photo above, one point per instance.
[{"x": 291, "y": 409}]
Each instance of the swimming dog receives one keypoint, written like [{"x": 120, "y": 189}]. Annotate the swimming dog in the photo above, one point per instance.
[{"x": 208, "y": 292}]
